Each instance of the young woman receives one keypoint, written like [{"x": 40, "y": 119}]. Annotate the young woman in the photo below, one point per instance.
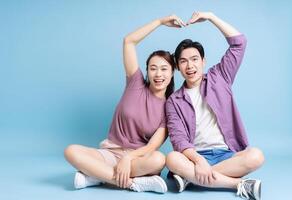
[
  {"x": 128, "y": 158},
  {"x": 203, "y": 122}
]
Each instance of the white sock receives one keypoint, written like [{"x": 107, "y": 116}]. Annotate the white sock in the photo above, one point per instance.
[
  {"x": 82, "y": 180},
  {"x": 149, "y": 183}
]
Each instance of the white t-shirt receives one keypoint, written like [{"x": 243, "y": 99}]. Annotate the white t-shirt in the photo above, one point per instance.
[{"x": 208, "y": 134}]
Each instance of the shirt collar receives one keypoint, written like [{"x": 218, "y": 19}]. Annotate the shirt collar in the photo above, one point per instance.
[{"x": 182, "y": 92}]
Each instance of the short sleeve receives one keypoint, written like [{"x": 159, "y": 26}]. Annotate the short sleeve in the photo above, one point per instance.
[{"x": 136, "y": 80}]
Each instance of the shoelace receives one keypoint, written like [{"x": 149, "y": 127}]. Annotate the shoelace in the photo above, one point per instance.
[
  {"x": 186, "y": 183},
  {"x": 244, "y": 189}
]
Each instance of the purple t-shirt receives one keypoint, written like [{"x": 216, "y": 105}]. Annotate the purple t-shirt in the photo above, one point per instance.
[{"x": 138, "y": 115}]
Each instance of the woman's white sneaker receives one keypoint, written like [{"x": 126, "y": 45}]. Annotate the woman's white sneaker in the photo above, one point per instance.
[
  {"x": 82, "y": 181},
  {"x": 149, "y": 183}
]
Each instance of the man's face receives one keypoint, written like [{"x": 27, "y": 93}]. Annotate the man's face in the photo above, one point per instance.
[{"x": 191, "y": 66}]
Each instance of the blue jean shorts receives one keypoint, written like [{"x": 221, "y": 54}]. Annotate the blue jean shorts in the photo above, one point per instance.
[{"x": 214, "y": 156}]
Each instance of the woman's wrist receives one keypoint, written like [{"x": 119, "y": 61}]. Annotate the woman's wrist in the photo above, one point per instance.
[
  {"x": 163, "y": 20},
  {"x": 128, "y": 156},
  {"x": 159, "y": 21}
]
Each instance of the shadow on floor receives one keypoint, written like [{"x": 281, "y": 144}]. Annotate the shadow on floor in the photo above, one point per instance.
[{"x": 64, "y": 180}]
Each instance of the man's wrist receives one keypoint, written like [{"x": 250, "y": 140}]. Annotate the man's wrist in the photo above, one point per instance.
[
  {"x": 198, "y": 159},
  {"x": 211, "y": 16}
]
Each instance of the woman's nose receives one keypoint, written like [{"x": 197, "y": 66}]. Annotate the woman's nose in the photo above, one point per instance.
[{"x": 158, "y": 73}]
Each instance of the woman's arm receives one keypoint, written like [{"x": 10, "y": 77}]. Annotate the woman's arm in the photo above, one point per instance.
[
  {"x": 123, "y": 168},
  {"x": 132, "y": 39},
  {"x": 154, "y": 143}
]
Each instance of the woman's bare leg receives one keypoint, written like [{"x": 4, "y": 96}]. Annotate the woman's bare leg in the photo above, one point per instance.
[
  {"x": 90, "y": 162},
  {"x": 150, "y": 164}
]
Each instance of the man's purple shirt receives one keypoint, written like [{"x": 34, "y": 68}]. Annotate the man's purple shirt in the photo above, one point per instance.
[{"x": 216, "y": 90}]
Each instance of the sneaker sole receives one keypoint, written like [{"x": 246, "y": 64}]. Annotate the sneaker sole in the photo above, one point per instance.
[
  {"x": 77, "y": 177},
  {"x": 258, "y": 188},
  {"x": 162, "y": 184},
  {"x": 179, "y": 182}
]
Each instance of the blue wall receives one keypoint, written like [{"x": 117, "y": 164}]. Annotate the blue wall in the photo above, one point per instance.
[{"x": 61, "y": 71}]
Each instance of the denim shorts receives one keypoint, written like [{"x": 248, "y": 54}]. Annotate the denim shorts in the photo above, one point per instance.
[{"x": 214, "y": 156}]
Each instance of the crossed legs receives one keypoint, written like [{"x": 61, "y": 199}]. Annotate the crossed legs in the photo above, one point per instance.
[
  {"x": 92, "y": 163},
  {"x": 228, "y": 172}
]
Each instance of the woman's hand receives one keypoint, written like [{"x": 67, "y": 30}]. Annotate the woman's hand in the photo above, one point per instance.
[
  {"x": 172, "y": 21},
  {"x": 203, "y": 173},
  {"x": 199, "y": 17},
  {"x": 123, "y": 171}
]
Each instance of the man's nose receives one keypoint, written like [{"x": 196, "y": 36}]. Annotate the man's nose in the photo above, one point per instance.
[{"x": 188, "y": 65}]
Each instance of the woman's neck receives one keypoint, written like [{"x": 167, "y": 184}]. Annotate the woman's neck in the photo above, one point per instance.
[{"x": 158, "y": 93}]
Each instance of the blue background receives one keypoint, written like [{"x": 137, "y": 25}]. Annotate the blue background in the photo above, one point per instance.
[{"x": 61, "y": 70}]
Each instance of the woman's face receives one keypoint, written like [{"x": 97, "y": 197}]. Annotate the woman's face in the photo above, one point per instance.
[
  {"x": 159, "y": 74},
  {"x": 191, "y": 66}
]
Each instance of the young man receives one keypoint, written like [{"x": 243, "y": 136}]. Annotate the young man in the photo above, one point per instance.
[{"x": 203, "y": 122}]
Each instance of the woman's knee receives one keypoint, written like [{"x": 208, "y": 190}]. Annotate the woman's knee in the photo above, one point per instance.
[
  {"x": 255, "y": 158},
  {"x": 72, "y": 153},
  {"x": 158, "y": 159}
]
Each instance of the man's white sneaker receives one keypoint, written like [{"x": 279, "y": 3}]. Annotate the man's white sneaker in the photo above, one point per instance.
[
  {"x": 149, "y": 183},
  {"x": 249, "y": 189},
  {"x": 82, "y": 181},
  {"x": 181, "y": 183}
]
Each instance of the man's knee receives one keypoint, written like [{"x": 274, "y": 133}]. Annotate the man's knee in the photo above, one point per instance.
[
  {"x": 172, "y": 161},
  {"x": 254, "y": 158}
]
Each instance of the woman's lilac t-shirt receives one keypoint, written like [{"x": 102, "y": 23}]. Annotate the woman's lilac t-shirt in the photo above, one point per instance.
[{"x": 138, "y": 115}]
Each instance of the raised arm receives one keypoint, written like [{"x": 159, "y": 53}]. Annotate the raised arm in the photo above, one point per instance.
[
  {"x": 231, "y": 60},
  {"x": 132, "y": 39},
  {"x": 226, "y": 29}
]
